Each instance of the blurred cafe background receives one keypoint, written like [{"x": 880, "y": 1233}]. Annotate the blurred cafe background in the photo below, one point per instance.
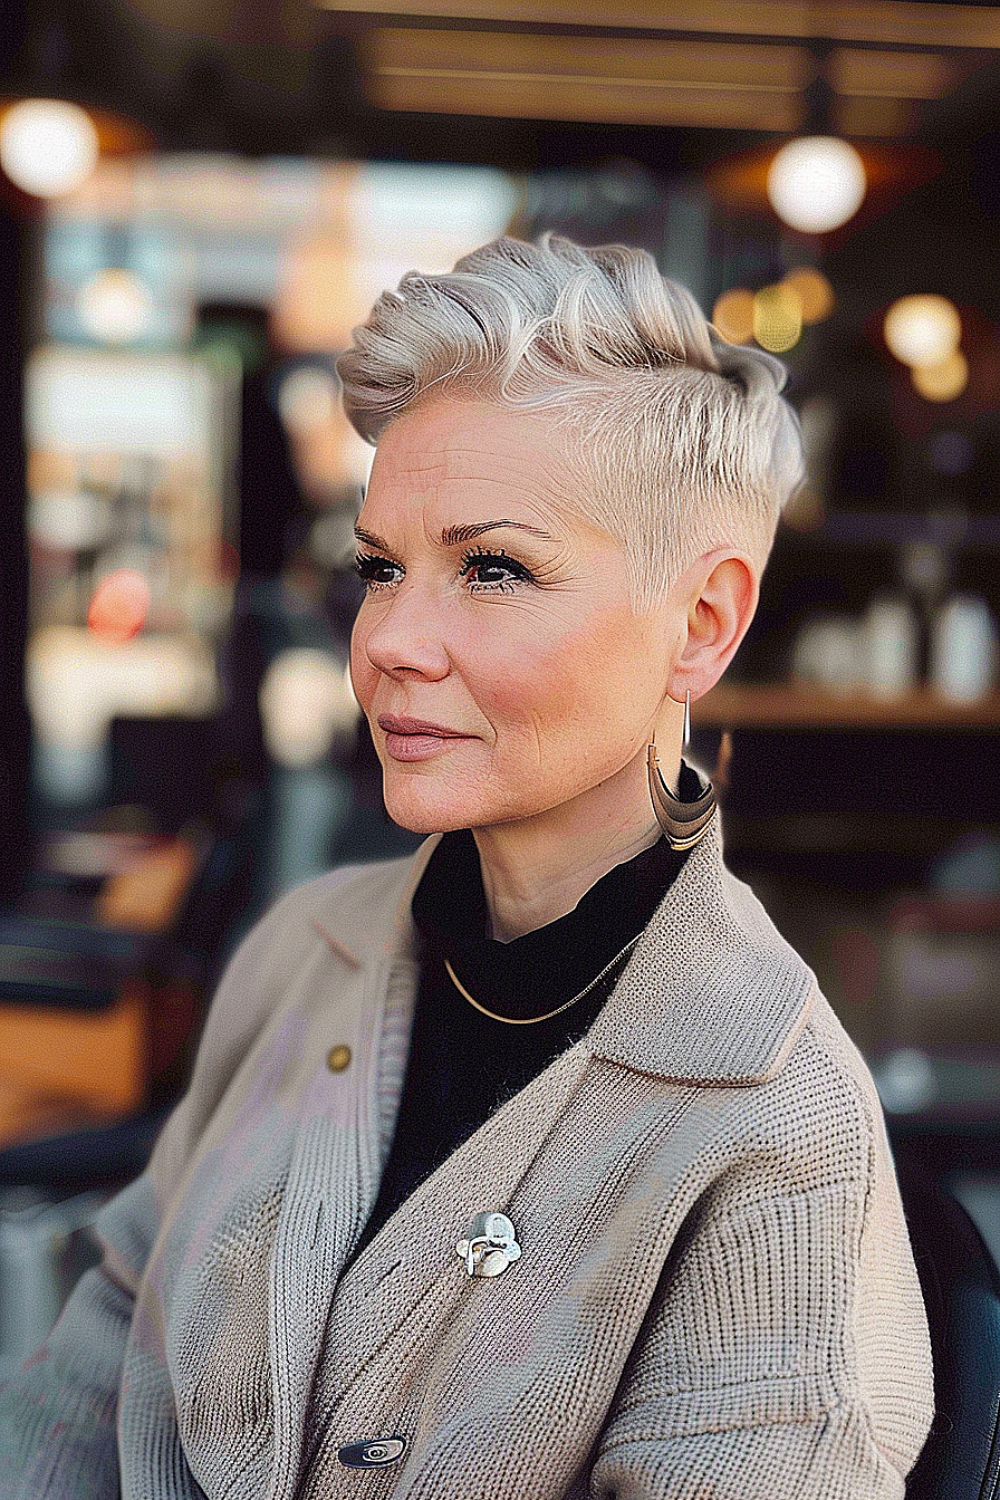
[{"x": 198, "y": 200}]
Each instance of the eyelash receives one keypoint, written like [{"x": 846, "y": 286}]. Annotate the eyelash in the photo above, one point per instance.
[{"x": 368, "y": 564}]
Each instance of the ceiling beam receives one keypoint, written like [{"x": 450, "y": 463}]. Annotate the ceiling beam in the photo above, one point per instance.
[
  {"x": 900, "y": 23},
  {"x": 731, "y": 85}
]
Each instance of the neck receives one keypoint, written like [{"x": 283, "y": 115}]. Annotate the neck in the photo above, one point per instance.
[{"x": 537, "y": 870}]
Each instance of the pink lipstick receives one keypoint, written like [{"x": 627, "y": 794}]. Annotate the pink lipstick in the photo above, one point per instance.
[{"x": 416, "y": 739}]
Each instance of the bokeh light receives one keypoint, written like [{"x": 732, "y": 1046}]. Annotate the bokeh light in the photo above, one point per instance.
[
  {"x": 119, "y": 606},
  {"x": 115, "y": 306},
  {"x": 945, "y": 381},
  {"x": 814, "y": 292},
  {"x": 307, "y": 398},
  {"x": 816, "y": 183},
  {"x": 306, "y": 700},
  {"x": 70, "y": 520},
  {"x": 47, "y": 146},
  {"x": 923, "y": 329},
  {"x": 777, "y": 317},
  {"x": 733, "y": 315}
]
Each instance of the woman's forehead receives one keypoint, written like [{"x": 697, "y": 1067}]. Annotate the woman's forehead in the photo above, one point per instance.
[
  {"x": 468, "y": 464},
  {"x": 462, "y": 439}
]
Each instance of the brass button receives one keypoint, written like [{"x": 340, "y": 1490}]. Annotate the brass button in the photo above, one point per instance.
[{"x": 338, "y": 1058}]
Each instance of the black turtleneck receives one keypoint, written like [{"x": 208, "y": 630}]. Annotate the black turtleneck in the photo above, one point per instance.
[{"x": 461, "y": 1063}]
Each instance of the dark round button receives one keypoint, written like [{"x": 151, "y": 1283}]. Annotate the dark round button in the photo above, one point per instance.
[
  {"x": 372, "y": 1454},
  {"x": 338, "y": 1058}
]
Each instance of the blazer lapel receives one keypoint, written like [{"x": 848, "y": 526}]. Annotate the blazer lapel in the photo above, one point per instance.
[
  {"x": 345, "y": 1127},
  {"x": 332, "y": 1185}
]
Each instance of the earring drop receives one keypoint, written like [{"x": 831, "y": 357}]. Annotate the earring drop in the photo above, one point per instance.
[{"x": 684, "y": 824}]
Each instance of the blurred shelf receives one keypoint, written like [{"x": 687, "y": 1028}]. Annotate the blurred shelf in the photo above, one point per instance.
[
  {"x": 950, "y": 529},
  {"x": 777, "y": 705}
]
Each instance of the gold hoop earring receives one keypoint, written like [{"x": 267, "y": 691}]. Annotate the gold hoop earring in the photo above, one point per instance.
[{"x": 684, "y": 824}]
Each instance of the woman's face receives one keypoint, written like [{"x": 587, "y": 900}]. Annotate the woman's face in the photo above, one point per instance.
[{"x": 496, "y": 653}]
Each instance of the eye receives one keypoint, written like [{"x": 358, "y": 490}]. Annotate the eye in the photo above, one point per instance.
[
  {"x": 493, "y": 572},
  {"x": 376, "y": 572}
]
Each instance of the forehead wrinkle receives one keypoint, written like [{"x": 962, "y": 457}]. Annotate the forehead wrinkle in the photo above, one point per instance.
[
  {"x": 454, "y": 460},
  {"x": 456, "y": 470}
]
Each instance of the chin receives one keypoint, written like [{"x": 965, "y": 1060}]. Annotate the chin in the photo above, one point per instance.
[
  {"x": 427, "y": 814},
  {"x": 414, "y": 804}
]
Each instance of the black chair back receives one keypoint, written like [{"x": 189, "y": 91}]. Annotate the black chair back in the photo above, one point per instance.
[{"x": 961, "y": 1287}]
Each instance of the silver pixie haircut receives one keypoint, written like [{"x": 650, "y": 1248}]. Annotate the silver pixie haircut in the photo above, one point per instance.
[{"x": 675, "y": 441}]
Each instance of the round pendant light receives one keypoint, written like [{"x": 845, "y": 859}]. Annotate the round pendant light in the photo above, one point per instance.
[
  {"x": 816, "y": 183},
  {"x": 47, "y": 146}
]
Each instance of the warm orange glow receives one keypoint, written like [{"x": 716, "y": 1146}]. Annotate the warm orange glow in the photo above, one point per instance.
[
  {"x": 319, "y": 300},
  {"x": 47, "y": 146},
  {"x": 814, "y": 292},
  {"x": 922, "y": 329},
  {"x": 120, "y": 605},
  {"x": 945, "y": 381},
  {"x": 99, "y": 133},
  {"x": 733, "y": 315}
]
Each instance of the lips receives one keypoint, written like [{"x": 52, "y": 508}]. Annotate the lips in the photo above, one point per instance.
[
  {"x": 418, "y": 739},
  {"x": 390, "y": 724}
]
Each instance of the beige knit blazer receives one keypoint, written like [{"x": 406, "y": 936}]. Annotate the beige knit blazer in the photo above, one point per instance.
[{"x": 715, "y": 1296}]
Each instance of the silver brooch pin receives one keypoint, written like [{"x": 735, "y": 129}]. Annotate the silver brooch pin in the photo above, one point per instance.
[{"x": 490, "y": 1246}]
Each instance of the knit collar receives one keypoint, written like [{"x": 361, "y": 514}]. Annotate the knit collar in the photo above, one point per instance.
[
  {"x": 546, "y": 967},
  {"x": 712, "y": 993}
]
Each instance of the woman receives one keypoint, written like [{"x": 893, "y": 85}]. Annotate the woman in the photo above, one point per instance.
[{"x": 535, "y": 1165}]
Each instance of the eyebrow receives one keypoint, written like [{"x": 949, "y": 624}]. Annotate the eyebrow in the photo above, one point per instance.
[{"x": 453, "y": 535}]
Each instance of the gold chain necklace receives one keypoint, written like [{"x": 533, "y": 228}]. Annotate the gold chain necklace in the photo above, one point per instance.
[{"x": 535, "y": 1020}]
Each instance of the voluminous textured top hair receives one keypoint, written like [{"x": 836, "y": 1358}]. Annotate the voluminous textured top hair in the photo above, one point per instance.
[{"x": 675, "y": 440}]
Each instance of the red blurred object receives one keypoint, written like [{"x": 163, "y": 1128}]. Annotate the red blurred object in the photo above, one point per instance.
[{"x": 120, "y": 605}]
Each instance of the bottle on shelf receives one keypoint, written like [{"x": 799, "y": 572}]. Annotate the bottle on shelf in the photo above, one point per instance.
[{"x": 964, "y": 649}]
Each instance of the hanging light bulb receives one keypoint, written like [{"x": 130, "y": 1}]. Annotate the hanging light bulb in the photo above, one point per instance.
[
  {"x": 816, "y": 183},
  {"x": 47, "y": 146}
]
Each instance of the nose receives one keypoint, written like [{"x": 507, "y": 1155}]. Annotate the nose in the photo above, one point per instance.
[{"x": 402, "y": 635}]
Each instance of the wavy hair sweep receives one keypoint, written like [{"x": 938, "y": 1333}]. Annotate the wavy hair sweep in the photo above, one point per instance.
[{"x": 675, "y": 440}]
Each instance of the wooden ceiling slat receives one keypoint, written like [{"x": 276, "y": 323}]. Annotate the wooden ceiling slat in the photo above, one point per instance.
[
  {"x": 593, "y": 100},
  {"x": 902, "y": 23},
  {"x": 641, "y": 82},
  {"x": 866, "y": 115},
  {"x": 890, "y": 75},
  {"x": 677, "y": 63}
]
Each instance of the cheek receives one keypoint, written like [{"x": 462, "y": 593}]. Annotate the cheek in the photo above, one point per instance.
[
  {"x": 549, "y": 681},
  {"x": 363, "y": 674}
]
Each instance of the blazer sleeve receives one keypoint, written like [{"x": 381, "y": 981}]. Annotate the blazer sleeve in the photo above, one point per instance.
[
  {"x": 785, "y": 1357},
  {"x": 58, "y": 1413}
]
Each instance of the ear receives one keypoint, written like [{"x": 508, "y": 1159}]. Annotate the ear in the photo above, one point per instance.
[{"x": 716, "y": 598}]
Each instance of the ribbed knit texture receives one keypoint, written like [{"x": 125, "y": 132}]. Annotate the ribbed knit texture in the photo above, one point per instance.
[{"x": 715, "y": 1297}]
